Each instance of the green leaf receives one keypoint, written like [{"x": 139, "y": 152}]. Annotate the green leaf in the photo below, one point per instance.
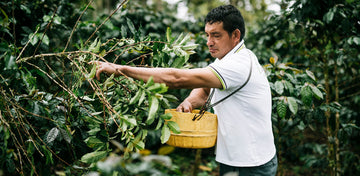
[
  {"x": 52, "y": 135},
  {"x": 149, "y": 82},
  {"x": 289, "y": 87},
  {"x": 178, "y": 62},
  {"x": 328, "y": 17},
  {"x": 137, "y": 142},
  {"x": 65, "y": 135},
  {"x": 130, "y": 120},
  {"x": 306, "y": 95},
  {"x": 48, "y": 155},
  {"x": 174, "y": 127},
  {"x": 166, "y": 116},
  {"x": 165, "y": 134},
  {"x": 317, "y": 93},
  {"x": 93, "y": 157},
  {"x": 155, "y": 87},
  {"x": 46, "y": 18},
  {"x": 137, "y": 96},
  {"x": 158, "y": 88},
  {"x": 311, "y": 75},
  {"x": 159, "y": 124},
  {"x": 293, "y": 106},
  {"x": 356, "y": 40},
  {"x": 142, "y": 98},
  {"x": 87, "y": 98},
  {"x": 10, "y": 62},
  {"x": 281, "y": 109},
  {"x": 57, "y": 20},
  {"x": 279, "y": 87},
  {"x": 185, "y": 39},
  {"x": 131, "y": 26},
  {"x": 123, "y": 31},
  {"x": 95, "y": 46},
  {"x": 140, "y": 145},
  {"x": 154, "y": 106},
  {"x": 92, "y": 73},
  {"x": 165, "y": 103},
  {"x": 180, "y": 37},
  {"x": 171, "y": 98},
  {"x": 94, "y": 142},
  {"x": 109, "y": 82},
  {"x": 189, "y": 47},
  {"x": 301, "y": 126},
  {"x": 168, "y": 34},
  {"x": 34, "y": 39},
  {"x": 25, "y": 8},
  {"x": 46, "y": 40}
]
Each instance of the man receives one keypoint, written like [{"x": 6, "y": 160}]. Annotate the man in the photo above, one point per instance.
[{"x": 245, "y": 143}]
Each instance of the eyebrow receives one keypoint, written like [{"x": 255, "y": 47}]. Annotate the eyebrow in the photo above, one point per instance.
[{"x": 213, "y": 33}]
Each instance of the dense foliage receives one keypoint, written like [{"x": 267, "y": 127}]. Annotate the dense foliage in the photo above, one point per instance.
[
  {"x": 321, "y": 36},
  {"x": 56, "y": 119}
]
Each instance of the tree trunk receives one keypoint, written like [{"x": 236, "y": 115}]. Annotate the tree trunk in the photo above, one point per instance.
[
  {"x": 197, "y": 162},
  {"x": 328, "y": 116},
  {"x": 334, "y": 166},
  {"x": 337, "y": 126}
]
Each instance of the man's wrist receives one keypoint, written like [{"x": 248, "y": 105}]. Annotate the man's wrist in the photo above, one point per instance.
[{"x": 119, "y": 70}]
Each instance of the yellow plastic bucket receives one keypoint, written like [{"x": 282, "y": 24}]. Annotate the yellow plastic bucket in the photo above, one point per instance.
[{"x": 194, "y": 134}]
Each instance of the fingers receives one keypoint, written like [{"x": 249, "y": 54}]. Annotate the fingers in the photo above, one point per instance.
[
  {"x": 187, "y": 109},
  {"x": 184, "y": 107},
  {"x": 180, "y": 109},
  {"x": 98, "y": 72},
  {"x": 99, "y": 68}
]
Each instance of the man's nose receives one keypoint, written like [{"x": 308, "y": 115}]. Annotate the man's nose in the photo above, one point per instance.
[{"x": 209, "y": 42}]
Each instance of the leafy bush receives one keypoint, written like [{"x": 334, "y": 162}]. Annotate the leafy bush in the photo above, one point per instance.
[{"x": 54, "y": 118}]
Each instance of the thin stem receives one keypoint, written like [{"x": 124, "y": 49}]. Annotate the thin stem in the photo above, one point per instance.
[
  {"x": 77, "y": 21},
  {"x": 122, "y": 3},
  {"x": 47, "y": 27}
]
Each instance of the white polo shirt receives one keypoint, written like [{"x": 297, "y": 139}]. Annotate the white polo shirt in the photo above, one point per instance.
[{"x": 245, "y": 136}]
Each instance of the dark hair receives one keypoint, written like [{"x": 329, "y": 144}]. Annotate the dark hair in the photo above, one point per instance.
[{"x": 230, "y": 16}]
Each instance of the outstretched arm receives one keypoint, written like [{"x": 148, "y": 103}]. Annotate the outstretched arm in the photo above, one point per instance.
[{"x": 174, "y": 78}]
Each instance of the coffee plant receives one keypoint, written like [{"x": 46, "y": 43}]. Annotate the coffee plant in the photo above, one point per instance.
[
  {"x": 56, "y": 119},
  {"x": 76, "y": 120}
]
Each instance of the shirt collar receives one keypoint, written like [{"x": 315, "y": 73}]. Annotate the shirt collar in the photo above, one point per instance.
[{"x": 237, "y": 48}]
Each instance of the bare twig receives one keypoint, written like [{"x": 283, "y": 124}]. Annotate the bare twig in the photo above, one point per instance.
[
  {"x": 127, "y": 49},
  {"x": 25, "y": 59},
  {"x": 63, "y": 87},
  {"x": 99, "y": 94},
  {"x": 122, "y": 3},
  {"x": 27, "y": 43},
  {"x": 13, "y": 16},
  {"x": 15, "y": 139},
  {"x": 77, "y": 21},
  {"x": 47, "y": 27},
  {"x": 140, "y": 57}
]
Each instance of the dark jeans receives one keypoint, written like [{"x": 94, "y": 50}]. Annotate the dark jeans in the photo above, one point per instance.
[{"x": 267, "y": 169}]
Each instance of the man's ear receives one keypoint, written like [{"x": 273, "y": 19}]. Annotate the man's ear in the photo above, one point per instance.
[{"x": 237, "y": 34}]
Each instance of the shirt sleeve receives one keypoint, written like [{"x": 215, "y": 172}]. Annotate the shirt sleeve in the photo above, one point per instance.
[{"x": 232, "y": 71}]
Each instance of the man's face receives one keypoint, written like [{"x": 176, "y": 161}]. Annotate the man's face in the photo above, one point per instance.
[{"x": 218, "y": 40}]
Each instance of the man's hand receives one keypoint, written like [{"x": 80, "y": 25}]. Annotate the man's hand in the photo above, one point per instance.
[
  {"x": 185, "y": 106},
  {"x": 106, "y": 67},
  {"x": 196, "y": 99}
]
